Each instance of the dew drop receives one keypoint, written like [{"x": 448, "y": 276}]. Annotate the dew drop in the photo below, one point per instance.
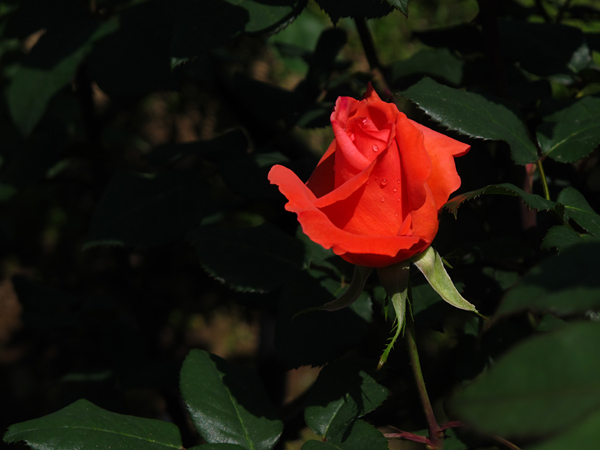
[
  {"x": 352, "y": 136},
  {"x": 383, "y": 199},
  {"x": 396, "y": 214},
  {"x": 398, "y": 181},
  {"x": 375, "y": 148},
  {"x": 364, "y": 121},
  {"x": 399, "y": 199},
  {"x": 395, "y": 189},
  {"x": 383, "y": 182}
]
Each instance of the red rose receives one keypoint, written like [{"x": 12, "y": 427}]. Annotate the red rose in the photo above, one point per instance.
[{"x": 375, "y": 195}]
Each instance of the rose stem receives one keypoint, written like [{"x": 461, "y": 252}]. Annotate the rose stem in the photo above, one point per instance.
[
  {"x": 366, "y": 40},
  {"x": 436, "y": 436},
  {"x": 508, "y": 444},
  {"x": 543, "y": 178}
]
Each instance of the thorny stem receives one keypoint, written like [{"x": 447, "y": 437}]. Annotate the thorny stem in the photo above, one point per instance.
[
  {"x": 366, "y": 40},
  {"x": 436, "y": 435},
  {"x": 506, "y": 443},
  {"x": 543, "y": 178}
]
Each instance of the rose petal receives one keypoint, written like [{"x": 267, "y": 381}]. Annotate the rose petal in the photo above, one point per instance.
[
  {"x": 414, "y": 161},
  {"x": 322, "y": 179},
  {"x": 444, "y": 179},
  {"x": 348, "y": 160},
  {"x": 345, "y": 190},
  {"x": 425, "y": 221},
  {"x": 378, "y": 207}
]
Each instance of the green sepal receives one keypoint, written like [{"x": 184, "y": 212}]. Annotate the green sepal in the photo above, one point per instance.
[
  {"x": 351, "y": 294},
  {"x": 395, "y": 280},
  {"x": 430, "y": 264}
]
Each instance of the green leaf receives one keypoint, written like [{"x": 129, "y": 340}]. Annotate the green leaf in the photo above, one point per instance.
[
  {"x": 582, "y": 436},
  {"x": 256, "y": 259},
  {"x": 269, "y": 16},
  {"x": 318, "y": 337},
  {"x": 532, "y": 200},
  {"x": 439, "y": 64},
  {"x": 85, "y": 426},
  {"x": 349, "y": 296},
  {"x": 315, "y": 254},
  {"x": 544, "y": 49},
  {"x": 431, "y": 266},
  {"x": 562, "y": 237},
  {"x": 360, "y": 436},
  {"x": 400, "y": 5},
  {"x": 369, "y": 9},
  {"x": 217, "y": 447},
  {"x": 318, "y": 445},
  {"x": 227, "y": 403},
  {"x": 579, "y": 210},
  {"x": 563, "y": 285},
  {"x": 148, "y": 209},
  {"x": 540, "y": 387},
  {"x": 49, "y": 67},
  {"x": 572, "y": 132},
  {"x": 395, "y": 280},
  {"x": 344, "y": 391},
  {"x": 474, "y": 115}
]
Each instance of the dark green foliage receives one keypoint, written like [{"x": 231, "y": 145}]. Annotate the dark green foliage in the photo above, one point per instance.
[
  {"x": 300, "y": 340},
  {"x": 259, "y": 259},
  {"x": 152, "y": 278},
  {"x": 172, "y": 202},
  {"x": 529, "y": 393},
  {"x": 84, "y": 425},
  {"x": 475, "y": 116},
  {"x": 563, "y": 285},
  {"x": 367, "y": 9},
  {"x": 344, "y": 391},
  {"x": 229, "y": 405}
]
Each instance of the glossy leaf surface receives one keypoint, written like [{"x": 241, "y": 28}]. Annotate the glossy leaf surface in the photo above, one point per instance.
[
  {"x": 85, "y": 426},
  {"x": 228, "y": 403},
  {"x": 474, "y": 115},
  {"x": 344, "y": 391}
]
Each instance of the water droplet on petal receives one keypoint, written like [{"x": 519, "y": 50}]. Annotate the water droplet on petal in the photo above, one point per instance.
[
  {"x": 399, "y": 199},
  {"x": 395, "y": 189},
  {"x": 352, "y": 136},
  {"x": 398, "y": 181},
  {"x": 364, "y": 121},
  {"x": 383, "y": 199},
  {"x": 383, "y": 183},
  {"x": 375, "y": 148},
  {"x": 396, "y": 214}
]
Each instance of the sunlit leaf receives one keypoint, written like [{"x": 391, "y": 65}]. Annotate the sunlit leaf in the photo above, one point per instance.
[
  {"x": 85, "y": 426},
  {"x": 474, "y": 115},
  {"x": 228, "y": 403}
]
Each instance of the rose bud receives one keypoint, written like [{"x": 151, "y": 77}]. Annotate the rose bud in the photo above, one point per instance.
[{"x": 375, "y": 194}]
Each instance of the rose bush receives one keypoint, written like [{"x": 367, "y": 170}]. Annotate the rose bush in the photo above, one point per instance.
[{"x": 375, "y": 194}]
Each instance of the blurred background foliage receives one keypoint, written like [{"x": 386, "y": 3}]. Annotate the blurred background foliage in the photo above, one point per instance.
[{"x": 137, "y": 222}]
